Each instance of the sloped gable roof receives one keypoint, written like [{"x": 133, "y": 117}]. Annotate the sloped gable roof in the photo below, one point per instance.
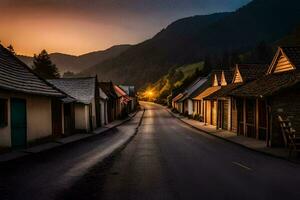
[
  {"x": 119, "y": 91},
  {"x": 249, "y": 72},
  {"x": 189, "y": 91},
  {"x": 108, "y": 89},
  {"x": 81, "y": 89},
  {"x": 267, "y": 85},
  {"x": 17, "y": 76},
  {"x": 224, "y": 91}
]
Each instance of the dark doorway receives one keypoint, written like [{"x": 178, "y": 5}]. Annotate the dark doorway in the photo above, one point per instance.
[{"x": 18, "y": 123}]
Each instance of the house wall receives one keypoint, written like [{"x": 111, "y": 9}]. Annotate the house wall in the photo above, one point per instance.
[
  {"x": 103, "y": 110},
  {"x": 234, "y": 116},
  {"x": 94, "y": 120},
  {"x": 39, "y": 119},
  {"x": 207, "y": 112},
  {"x": 286, "y": 103},
  {"x": 82, "y": 117},
  {"x": 190, "y": 106}
]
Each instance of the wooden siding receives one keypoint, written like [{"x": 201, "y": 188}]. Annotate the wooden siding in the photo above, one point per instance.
[
  {"x": 237, "y": 77},
  {"x": 234, "y": 116},
  {"x": 223, "y": 79},
  {"x": 286, "y": 103},
  {"x": 215, "y": 82},
  {"x": 283, "y": 64},
  {"x": 214, "y": 113}
]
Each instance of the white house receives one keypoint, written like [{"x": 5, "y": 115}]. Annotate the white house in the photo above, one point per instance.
[{"x": 26, "y": 100}]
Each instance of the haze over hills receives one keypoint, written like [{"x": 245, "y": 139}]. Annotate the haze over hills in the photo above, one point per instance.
[
  {"x": 189, "y": 40},
  {"x": 66, "y": 62}
]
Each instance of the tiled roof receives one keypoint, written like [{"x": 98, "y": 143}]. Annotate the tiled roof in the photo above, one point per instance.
[
  {"x": 267, "y": 85},
  {"x": 250, "y": 72},
  {"x": 108, "y": 89},
  {"x": 16, "y": 76},
  {"x": 224, "y": 91},
  {"x": 81, "y": 89},
  {"x": 293, "y": 54}
]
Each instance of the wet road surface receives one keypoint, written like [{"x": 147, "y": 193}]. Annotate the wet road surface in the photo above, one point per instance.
[{"x": 166, "y": 160}]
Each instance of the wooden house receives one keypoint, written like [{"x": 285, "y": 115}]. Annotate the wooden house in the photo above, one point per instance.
[
  {"x": 122, "y": 102},
  {"x": 206, "y": 109},
  {"x": 108, "y": 89},
  {"x": 277, "y": 92},
  {"x": 103, "y": 101},
  {"x": 26, "y": 104},
  {"x": 83, "y": 114},
  {"x": 131, "y": 93},
  {"x": 176, "y": 104},
  {"x": 186, "y": 101},
  {"x": 231, "y": 80}
]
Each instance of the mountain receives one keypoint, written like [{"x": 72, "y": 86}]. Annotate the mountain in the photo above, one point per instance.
[
  {"x": 76, "y": 64},
  {"x": 189, "y": 40}
]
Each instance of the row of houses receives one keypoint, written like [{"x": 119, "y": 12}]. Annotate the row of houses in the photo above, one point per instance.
[
  {"x": 248, "y": 99},
  {"x": 32, "y": 108}
]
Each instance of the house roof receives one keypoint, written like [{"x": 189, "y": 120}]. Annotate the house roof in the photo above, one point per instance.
[
  {"x": 17, "y": 76},
  {"x": 189, "y": 91},
  {"x": 119, "y": 91},
  {"x": 207, "y": 92},
  {"x": 267, "y": 85},
  {"x": 224, "y": 91},
  {"x": 177, "y": 97},
  {"x": 108, "y": 89},
  {"x": 81, "y": 89},
  {"x": 130, "y": 90},
  {"x": 250, "y": 72}
]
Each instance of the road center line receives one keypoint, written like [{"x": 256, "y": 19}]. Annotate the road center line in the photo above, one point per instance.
[{"x": 242, "y": 166}]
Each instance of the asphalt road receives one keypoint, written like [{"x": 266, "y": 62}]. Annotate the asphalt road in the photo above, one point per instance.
[{"x": 166, "y": 160}]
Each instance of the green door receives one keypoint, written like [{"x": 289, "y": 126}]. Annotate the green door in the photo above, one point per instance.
[{"x": 18, "y": 123}]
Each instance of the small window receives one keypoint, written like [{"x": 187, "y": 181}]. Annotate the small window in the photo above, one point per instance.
[{"x": 3, "y": 112}]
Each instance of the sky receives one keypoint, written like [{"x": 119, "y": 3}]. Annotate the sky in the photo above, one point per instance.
[{"x": 80, "y": 26}]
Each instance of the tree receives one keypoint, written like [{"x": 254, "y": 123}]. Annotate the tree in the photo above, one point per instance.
[
  {"x": 11, "y": 49},
  {"x": 207, "y": 67},
  {"x": 68, "y": 74},
  {"x": 44, "y": 67}
]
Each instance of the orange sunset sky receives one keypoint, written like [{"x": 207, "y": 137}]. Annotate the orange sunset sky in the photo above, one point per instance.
[{"x": 80, "y": 26}]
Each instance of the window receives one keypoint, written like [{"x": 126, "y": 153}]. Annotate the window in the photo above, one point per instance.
[{"x": 3, "y": 112}]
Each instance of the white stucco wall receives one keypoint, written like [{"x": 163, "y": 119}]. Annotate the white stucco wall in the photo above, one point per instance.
[{"x": 39, "y": 119}]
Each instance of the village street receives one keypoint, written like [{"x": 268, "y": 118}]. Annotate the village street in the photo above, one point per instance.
[{"x": 166, "y": 160}]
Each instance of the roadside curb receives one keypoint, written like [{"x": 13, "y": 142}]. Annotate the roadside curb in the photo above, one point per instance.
[
  {"x": 227, "y": 140},
  {"x": 11, "y": 156}
]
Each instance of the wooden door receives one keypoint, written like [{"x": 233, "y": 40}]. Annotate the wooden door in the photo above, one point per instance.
[
  {"x": 69, "y": 118},
  {"x": 251, "y": 118},
  {"x": 18, "y": 123}
]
